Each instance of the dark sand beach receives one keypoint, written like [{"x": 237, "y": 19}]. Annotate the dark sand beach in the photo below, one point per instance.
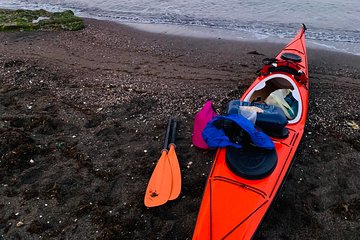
[{"x": 82, "y": 120}]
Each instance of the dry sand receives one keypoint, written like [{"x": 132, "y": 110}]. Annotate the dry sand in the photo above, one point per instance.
[{"x": 82, "y": 118}]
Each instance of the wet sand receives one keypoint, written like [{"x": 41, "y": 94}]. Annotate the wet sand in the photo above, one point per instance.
[{"x": 82, "y": 119}]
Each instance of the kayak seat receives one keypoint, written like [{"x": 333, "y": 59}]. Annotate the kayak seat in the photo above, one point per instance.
[
  {"x": 272, "y": 120},
  {"x": 251, "y": 162}
]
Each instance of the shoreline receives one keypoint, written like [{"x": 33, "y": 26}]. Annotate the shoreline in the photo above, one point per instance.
[
  {"x": 233, "y": 35},
  {"x": 82, "y": 119},
  {"x": 216, "y": 32}
]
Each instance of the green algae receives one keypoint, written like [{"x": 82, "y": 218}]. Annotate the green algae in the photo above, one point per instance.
[{"x": 31, "y": 20}]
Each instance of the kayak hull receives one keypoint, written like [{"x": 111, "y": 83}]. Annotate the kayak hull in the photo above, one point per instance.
[
  {"x": 240, "y": 202},
  {"x": 233, "y": 207}
]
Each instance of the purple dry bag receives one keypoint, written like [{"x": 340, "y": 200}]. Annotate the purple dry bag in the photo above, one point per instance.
[{"x": 205, "y": 115}]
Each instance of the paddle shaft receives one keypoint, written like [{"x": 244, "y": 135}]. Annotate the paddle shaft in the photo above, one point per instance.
[
  {"x": 167, "y": 135},
  {"x": 174, "y": 163},
  {"x": 173, "y": 132}
]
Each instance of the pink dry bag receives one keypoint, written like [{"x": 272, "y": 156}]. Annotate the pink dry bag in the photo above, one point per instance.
[{"x": 201, "y": 119}]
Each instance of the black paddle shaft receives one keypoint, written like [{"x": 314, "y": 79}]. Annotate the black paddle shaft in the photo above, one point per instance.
[
  {"x": 173, "y": 132},
  {"x": 167, "y": 135}
]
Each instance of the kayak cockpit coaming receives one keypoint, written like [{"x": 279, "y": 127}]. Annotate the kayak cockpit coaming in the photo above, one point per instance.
[{"x": 274, "y": 82}]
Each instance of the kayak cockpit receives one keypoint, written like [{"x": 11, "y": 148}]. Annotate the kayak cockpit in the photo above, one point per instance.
[
  {"x": 279, "y": 99},
  {"x": 271, "y": 88}
]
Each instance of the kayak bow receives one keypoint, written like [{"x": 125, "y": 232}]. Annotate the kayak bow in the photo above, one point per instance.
[{"x": 233, "y": 206}]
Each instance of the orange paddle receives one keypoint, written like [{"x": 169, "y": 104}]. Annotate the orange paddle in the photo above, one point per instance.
[
  {"x": 174, "y": 163},
  {"x": 159, "y": 187}
]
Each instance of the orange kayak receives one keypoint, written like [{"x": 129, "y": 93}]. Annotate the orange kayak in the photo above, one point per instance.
[{"x": 233, "y": 204}]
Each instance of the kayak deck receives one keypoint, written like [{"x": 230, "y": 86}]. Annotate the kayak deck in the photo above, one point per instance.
[{"x": 251, "y": 198}]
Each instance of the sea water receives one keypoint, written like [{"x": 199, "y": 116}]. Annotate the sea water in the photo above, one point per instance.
[{"x": 333, "y": 24}]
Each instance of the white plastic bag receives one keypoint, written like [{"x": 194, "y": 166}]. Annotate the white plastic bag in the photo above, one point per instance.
[
  {"x": 250, "y": 112},
  {"x": 277, "y": 98}
]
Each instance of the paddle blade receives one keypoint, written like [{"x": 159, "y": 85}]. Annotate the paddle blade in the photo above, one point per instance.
[
  {"x": 176, "y": 173},
  {"x": 160, "y": 183}
]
